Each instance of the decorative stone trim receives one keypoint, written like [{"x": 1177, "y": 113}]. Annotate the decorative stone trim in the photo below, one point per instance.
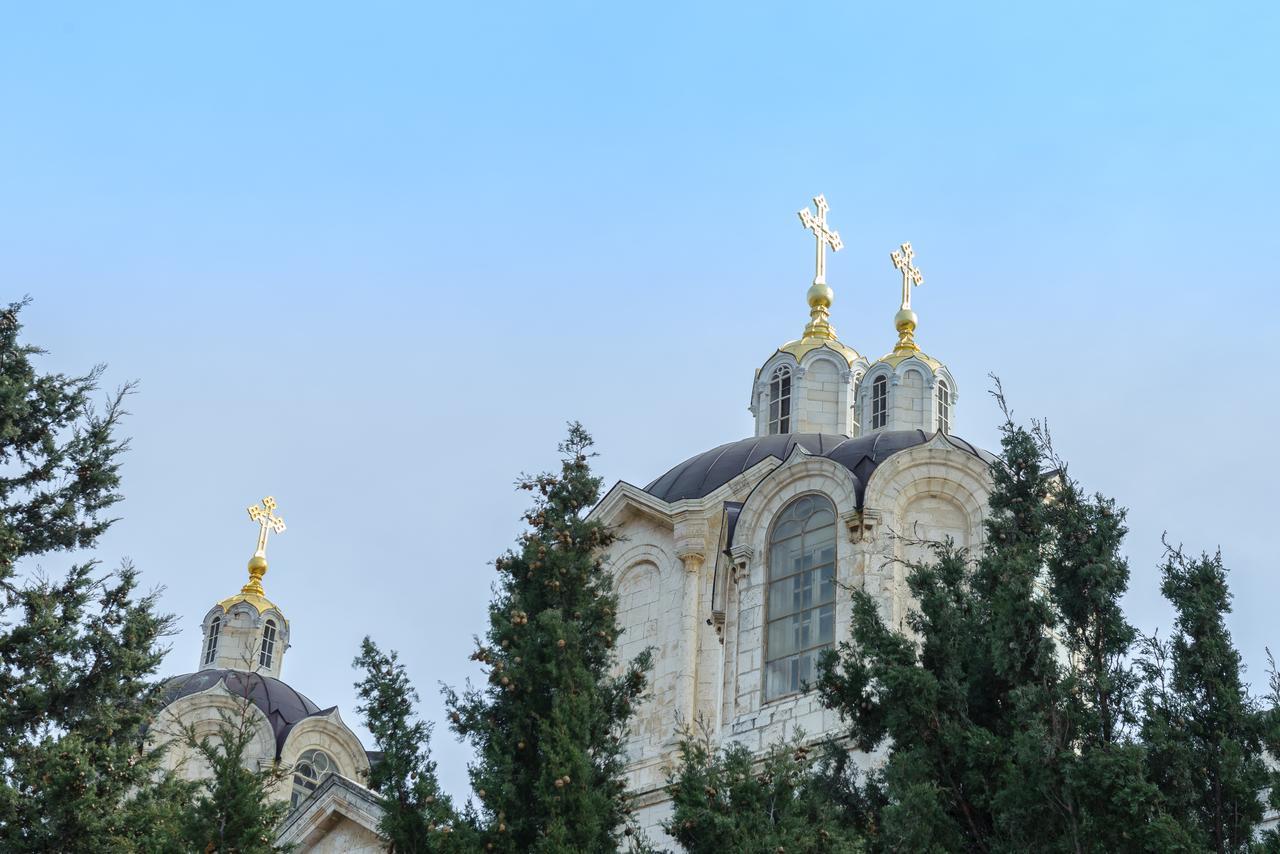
[
  {"x": 741, "y": 555},
  {"x": 863, "y": 525}
]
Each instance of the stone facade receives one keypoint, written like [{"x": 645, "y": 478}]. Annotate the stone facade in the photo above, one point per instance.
[
  {"x": 341, "y": 817},
  {"x": 244, "y": 639},
  {"x": 700, "y": 600},
  {"x": 692, "y": 572}
]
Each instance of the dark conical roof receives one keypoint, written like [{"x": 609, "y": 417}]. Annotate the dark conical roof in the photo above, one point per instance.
[
  {"x": 283, "y": 706},
  {"x": 698, "y": 476}
]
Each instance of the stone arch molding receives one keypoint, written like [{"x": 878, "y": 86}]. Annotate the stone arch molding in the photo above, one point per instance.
[
  {"x": 637, "y": 559},
  {"x": 203, "y": 715},
  {"x": 800, "y": 474},
  {"x": 937, "y": 468},
  {"x": 330, "y": 734}
]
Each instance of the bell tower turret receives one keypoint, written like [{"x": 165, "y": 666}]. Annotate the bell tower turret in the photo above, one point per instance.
[
  {"x": 807, "y": 385},
  {"x": 907, "y": 389},
  {"x": 248, "y": 631}
]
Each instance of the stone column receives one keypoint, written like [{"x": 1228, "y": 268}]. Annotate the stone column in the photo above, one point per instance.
[{"x": 687, "y": 677}]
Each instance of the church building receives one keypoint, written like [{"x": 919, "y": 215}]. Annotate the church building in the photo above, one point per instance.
[
  {"x": 241, "y": 655},
  {"x": 729, "y": 563}
]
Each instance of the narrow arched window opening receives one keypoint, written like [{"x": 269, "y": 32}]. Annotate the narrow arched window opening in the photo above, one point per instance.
[
  {"x": 800, "y": 610},
  {"x": 308, "y": 772},
  {"x": 267, "y": 653},
  {"x": 879, "y": 402},
  {"x": 211, "y": 642},
  {"x": 780, "y": 401},
  {"x": 944, "y": 407}
]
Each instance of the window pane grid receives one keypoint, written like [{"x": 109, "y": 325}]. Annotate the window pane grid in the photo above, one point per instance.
[
  {"x": 268, "y": 644},
  {"x": 800, "y": 601},
  {"x": 211, "y": 649},
  {"x": 879, "y": 402},
  {"x": 780, "y": 401}
]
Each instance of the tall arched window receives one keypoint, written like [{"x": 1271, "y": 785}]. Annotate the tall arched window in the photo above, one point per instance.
[
  {"x": 944, "y": 407},
  {"x": 308, "y": 772},
  {"x": 800, "y": 611},
  {"x": 268, "y": 644},
  {"x": 780, "y": 401},
  {"x": 879, "y": 402},
  {"x": 211, "y": 642}
]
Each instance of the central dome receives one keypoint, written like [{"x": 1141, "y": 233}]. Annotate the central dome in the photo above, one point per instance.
[{"x": 699, "y": 476}]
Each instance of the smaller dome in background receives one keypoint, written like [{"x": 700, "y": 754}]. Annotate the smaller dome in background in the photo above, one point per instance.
[{"x": 283, "y": 706}]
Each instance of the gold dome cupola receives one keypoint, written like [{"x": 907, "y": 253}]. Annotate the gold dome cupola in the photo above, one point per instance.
[
  {"x": 248, "y": 631},
  {"x": 807, "y": 385},
  {"x": 907, "y": 389}
]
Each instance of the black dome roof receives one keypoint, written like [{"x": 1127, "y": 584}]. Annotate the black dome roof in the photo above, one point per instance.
[
  {"x": 283, "y": 706},
  {"x": 708, "y": 471}
]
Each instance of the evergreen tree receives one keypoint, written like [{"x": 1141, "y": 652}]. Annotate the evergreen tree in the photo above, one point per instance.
[
  {"x": 418, "y": 817},
  {"x": 728, "y": 800},
  {"x": 1109, "y": 801},
  {"x": 548, "y": 726},
  {"x": 1204, "y": 731},
  {"x": 77, "y": 655},
  {"x": 1008, "y": 707},
  {"x": 235, "y": 811}
]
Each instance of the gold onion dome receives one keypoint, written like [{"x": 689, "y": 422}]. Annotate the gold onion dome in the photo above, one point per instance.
[
  {"x": 252, "y": 592},
  {"x": 819, "y": 332}
]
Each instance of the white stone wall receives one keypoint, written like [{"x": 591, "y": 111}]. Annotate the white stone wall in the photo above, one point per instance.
[
  {"x": 819, "y": 409},
  {"x": 934, "y": 490},
  {"x": 239, "y": 641},
  {"x": 912, "y": 396},
  {"x": 822, "y": 392}
]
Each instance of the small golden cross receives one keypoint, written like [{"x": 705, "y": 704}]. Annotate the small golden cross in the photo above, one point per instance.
[
  {"x": 910, "y": 275},
  {"x": 265, "y": 515},
  {"x": 825, "y": 236}
]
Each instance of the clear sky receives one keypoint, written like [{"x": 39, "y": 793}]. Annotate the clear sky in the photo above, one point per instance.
[{"x": 370, "y": 257}]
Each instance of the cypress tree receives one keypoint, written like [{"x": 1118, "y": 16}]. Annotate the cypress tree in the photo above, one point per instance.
[
  {"x": 1109, "y": 802},
  {"x": 1205, "y": 733},
  {"x": 77, "y": 654},
  {"x": 548, "y": 725},
  {"x": 235, "y": 810},
  {"x": 417, "y": 816},
  {"x": 1008, "y": 708},
  {"x": 729, "y": 800}
]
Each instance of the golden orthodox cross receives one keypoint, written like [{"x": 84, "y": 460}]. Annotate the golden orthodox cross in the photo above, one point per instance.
[
  {"x": 910, "y": 275},
  {"x": 265, "y": 515},
  {"x": 825, "y": 236}
]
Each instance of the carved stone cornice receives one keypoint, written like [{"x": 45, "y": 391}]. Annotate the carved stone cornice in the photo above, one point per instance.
[
  {"x": 740, "y": 566},
  {"x": 863, "y": 525}
]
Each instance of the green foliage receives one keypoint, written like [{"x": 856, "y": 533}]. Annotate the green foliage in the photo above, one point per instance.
[
  {"x": 234, "y": 811},
  {"x": 548, "y": 726},
  {"x": 730, "y": 800},
  {"x": 1204, "y": 732},
  {"x": 1008, "y": 704},
  {"x": 418, "y": 817},
  {"x": 77, "y": 655}
]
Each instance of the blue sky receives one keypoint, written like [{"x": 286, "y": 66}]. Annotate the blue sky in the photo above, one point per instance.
[{"x": 369, "y": 258}]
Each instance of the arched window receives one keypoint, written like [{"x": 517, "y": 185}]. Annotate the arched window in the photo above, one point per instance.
[
  {"x": 268, "y": 644},
  {"x": 879, "y": 402},
  {"x": 780, "y": 401},
  {"x": 800, "y": 611},
  {"x": 944, "y": 407},
  {"x": 211, "y": 642},
  {"x": 308, "y": 772}
]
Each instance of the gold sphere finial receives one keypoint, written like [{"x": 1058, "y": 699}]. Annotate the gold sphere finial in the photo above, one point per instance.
[
  {"x": 905, "y": 322},
  {"x": 820, "y": 295},
  {"x": 257, "y": 569}
]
